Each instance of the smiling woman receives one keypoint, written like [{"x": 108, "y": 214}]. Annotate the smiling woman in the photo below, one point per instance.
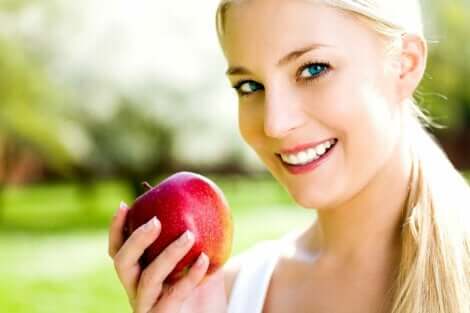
[
  {"x": 335, "y": 122},
  {"x": 325, "y": 92}
]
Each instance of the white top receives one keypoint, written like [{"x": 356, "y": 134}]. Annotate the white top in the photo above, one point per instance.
[{"x": 252, "y": 281}]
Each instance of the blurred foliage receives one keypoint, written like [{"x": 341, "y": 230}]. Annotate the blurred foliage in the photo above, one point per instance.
[
  {"x": 29, "y": 107},
  {"x": 32, "y": 106},
  {"x": 13, "y": 5},
  {"x": 130, "y": 143},
  {"x": 445, "y": 89},
  {"x": 76, "y": 118}
]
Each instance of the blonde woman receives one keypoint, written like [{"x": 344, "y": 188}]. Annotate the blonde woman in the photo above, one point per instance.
[{"x": 325, "y": 92}]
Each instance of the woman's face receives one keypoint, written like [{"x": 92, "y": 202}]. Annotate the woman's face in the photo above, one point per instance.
[{"x": 337, "y": 88}]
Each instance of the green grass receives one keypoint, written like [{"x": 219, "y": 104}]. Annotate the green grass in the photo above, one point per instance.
[
  {"x": 61, "y": 207},
  {"x": 53, "y": 242},
  {"x": 67, "y": 273}
]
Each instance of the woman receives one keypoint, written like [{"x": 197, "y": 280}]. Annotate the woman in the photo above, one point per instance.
[{"x": 326, "y": 101}]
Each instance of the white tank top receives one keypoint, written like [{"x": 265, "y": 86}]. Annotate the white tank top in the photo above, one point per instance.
[{"x": 251, "y": 284}]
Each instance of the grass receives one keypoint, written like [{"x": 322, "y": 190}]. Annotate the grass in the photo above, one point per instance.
[
  {"x": 53, "y": 241},
  {"x": 61, "y": 207},
  {"x": 58, "y": 273}
]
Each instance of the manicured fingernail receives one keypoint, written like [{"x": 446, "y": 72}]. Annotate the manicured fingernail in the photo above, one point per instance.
[
  {"x": 185, "y": 238},
  {"x": 201, "y": 260},
  {"x": 152, "y": 224},
  {"x": 122, "y": 207}
]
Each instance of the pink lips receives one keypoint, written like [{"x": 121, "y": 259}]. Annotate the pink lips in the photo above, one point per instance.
[{"x": 300, "y": 169}]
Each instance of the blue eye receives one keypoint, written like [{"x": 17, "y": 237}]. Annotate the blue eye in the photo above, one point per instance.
[
  {"x": 309, "y": 72},
  {"x": 313, "y": 70},
  {"x": 247, "y": 87}
]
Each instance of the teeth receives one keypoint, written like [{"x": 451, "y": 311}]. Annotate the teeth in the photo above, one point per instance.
[
  {"x": 292, "y": 159},
  {"x": 308, "y": 155},
  {"x": 303, "y": 157},
  {"x": 312, "y": 154},
  {"x": 320, "y": 149}
]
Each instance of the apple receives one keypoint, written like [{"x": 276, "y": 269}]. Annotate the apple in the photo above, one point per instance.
[{"x": 185, "y": 201}]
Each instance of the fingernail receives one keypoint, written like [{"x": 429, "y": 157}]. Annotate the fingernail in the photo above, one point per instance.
[
  {"x": 152, "y": 224},
  {"x": 201, "y": 260},
  {"x": 186, "y": 238},
  {"x": 122, "y": 205}
]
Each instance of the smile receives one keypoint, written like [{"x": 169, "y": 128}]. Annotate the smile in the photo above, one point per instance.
[
  {"x": 308, "y": 155},
  {"x": 308, "y": 159}
]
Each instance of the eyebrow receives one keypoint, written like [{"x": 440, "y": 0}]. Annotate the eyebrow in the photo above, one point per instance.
[{"x": 240, "y": 70}]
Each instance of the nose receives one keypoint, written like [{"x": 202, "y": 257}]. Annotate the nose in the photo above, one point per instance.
[{"x": 282, "y": 113}]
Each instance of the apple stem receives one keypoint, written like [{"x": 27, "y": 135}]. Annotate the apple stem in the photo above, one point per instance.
[{"x": 147, "y": 185}]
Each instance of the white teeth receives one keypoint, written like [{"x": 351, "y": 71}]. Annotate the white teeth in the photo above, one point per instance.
[
  {"x": 312, "y": 154},
  {"x": 292, "y": 159},
  {"x": 303, "y": 157},
  {"x": 320, "y": 149},
  {"x": 308, "y": 155}
]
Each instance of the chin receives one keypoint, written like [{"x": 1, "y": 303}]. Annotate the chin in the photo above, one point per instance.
[{"x": 309, "y": 200}]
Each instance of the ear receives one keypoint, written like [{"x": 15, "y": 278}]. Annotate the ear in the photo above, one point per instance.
[{"x": 412, "y": 65}]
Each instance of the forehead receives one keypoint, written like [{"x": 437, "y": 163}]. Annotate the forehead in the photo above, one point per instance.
[{"x": 270, "y": 28}]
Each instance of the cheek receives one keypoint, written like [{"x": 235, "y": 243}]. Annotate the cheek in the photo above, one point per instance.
[
  {"x": 379, "y": 115},
  {"x": 250, "y": 124},
  {"x": 372, "y": 133},
  {"x": 360, "y": 114},
  {"x": 362, "y": 108},
  {"x": 244, "y": 125}
]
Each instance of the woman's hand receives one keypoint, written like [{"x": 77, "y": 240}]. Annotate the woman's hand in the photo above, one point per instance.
[{"x": 145, "y": 288}]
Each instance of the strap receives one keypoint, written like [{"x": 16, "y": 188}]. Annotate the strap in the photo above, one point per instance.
[{"x": 252, "y": 281}]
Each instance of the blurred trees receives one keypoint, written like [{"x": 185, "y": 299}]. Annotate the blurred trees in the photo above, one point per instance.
[
  {"x": 445, "y": 90},
  {"x": 36, "y": 133},
  {"x": 30, "y": 116},
  {"x": 71, "y": 102}
]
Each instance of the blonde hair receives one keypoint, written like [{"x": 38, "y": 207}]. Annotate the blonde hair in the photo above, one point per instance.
[{"x": 434, "y": 271}]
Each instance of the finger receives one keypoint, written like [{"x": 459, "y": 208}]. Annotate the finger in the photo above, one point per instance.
[
  {"x": 139, "y": 240},
  {"x": 126, "y": 261},
  {"x": 151, "y": 280},
  {"x": 177, "y": 294},
  {"x": 116, "y": 237}
]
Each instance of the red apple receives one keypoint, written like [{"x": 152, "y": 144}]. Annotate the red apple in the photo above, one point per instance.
[{"x": 185, "y": 201}]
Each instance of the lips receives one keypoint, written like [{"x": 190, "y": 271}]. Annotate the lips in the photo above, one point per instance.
[
  {"x": 302, "y": 147},
  {"x": 300, "y": 169}
]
